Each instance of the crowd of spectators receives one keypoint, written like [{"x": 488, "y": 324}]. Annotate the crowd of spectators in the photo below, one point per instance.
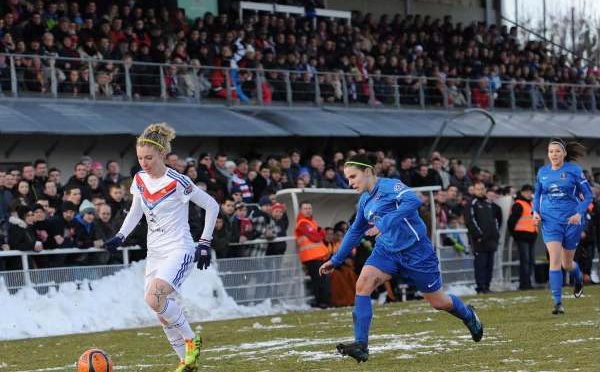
[
  {"x": 428, "y": 53},
  {"x": 40, "y": 211}
]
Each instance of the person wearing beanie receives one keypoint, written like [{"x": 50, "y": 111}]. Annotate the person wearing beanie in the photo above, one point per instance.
[
  {"x": 62, "y": 227},
  {"x": 279, "y": 223},
  {"x": 86, "y": 235}
]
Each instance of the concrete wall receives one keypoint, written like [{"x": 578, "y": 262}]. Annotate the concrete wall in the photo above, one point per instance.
[{"x": 465, "y": 11}]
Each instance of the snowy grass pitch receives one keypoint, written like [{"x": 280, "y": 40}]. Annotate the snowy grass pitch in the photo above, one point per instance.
[{"x": 521, "y": 335}]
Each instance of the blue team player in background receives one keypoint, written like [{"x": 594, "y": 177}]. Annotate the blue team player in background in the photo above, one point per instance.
[
  {"x": 388, "y": 209},
  {"x": 562, "y": 196}
]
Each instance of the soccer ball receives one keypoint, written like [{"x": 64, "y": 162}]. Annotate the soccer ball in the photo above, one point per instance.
[{"x": 94, "y": 360}]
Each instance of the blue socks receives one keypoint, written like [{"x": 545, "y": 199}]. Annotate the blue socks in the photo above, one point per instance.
[
  {"x": 362, "y": 315},
  {"x": 576, "y": 273},
  {"x": 459, "y": 309},
  {"x": 556, "y": 283}
]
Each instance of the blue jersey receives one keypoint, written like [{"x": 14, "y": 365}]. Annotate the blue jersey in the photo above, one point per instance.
[
  {"x": 561, "y": 193},
  {"x": 394, "y": 208}
]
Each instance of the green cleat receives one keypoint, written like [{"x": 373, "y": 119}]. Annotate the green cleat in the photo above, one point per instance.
[
  {"x": 181, "y": 367},
  {"x": 192, "y": 353}
]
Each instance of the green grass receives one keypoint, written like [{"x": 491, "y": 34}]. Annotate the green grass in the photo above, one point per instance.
[{"x": 521, "y": 335}]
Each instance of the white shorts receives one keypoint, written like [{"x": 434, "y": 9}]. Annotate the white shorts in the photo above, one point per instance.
[{"x": 173, "y": 267}]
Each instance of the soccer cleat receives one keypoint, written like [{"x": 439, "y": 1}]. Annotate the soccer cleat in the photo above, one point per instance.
[
  {"x": 192, "y": 352},
  {"x": 356, "y": 350},
  {"x": 181, "y": 367},
  {"x": 558, "y": 309},
  {"x": 474, "y": 325},
  {"x": 578, "y": 287}
]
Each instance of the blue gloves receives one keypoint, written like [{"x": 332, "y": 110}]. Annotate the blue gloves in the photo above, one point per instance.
[
  {"x": 202, "y": 255},
  {"x": 113, "y": 243}
]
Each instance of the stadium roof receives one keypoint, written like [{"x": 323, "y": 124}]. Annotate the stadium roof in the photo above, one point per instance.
[{"x": 22, "y": 116}]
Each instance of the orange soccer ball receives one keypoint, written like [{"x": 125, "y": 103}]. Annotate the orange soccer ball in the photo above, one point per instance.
[{"x": 94, "y": 360}]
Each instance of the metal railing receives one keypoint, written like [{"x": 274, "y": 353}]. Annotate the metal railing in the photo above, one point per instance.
[
  {"x": 456, "y": 266},
  {"x": 249, "y": 278},
  {"x": 255, "y": 279},
  {"x": 27, "y": 277},
  {"x": 127, "y": 81}
]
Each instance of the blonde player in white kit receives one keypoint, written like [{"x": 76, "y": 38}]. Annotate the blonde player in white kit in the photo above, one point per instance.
[{"x": 162, "y": 195}]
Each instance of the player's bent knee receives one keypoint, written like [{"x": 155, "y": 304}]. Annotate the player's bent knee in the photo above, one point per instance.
[
  {"x": 366, "y": 285},
  {"x": 162, "y": 321},
  {"x": 440, "y": 303},
  {"x": 157, "y": 294},
  {"x": 154, "y": 303}
]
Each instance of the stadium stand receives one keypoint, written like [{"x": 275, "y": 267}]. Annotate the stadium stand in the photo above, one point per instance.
[{"x": 265, "y": 58}]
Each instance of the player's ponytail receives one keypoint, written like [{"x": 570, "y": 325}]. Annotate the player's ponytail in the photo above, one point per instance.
[
  {"x": 362, "y": 162},
  {"x": 158, "y": 135},
  {"x": 574, "y": 149}
]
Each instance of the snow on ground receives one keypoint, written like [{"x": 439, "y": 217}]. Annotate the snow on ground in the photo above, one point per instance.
[{"x": 115, "y": 302}]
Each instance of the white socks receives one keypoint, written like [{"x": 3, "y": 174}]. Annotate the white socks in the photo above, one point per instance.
[
  {"x": 173, "y": 314},
  {"x": 177, "y": 342}
]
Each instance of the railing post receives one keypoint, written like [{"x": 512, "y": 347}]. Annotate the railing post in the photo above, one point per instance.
[
  {"x": 128, "y": 88},
  {"x": 344, "y": 89},
  {"x": 163, "y": 84},
  {"x": 228, "y": 85},
  {"x": 25, "y": 265},
  {"x": 125, "y": 256},
  {"x": 92, "y": 85},
  {"x": 492, "y": 98},
  {"x": 468, "y": 93},
  {"x": 574, "y": 99},
  {"x": 593, "y": 99},
  {"x": 396, "y": 92},
  {"x": 198, "y": 78},
  {"x": 554, "y": 101},
  {"x": 421, "y": 94},
  {"x": 288, "y": 88},
  {"x": 445, "y": 96},
  {"x": 513, "y": 99},
  {"x": 259, "y": 88},
  {"x": 53, "y": 82},
  {"x": 14, "y": 84},
  {"x": 317, "y": 90},
  {"x": 371, "y": 85}
]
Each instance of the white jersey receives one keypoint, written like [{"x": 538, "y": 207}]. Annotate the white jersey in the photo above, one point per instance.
[{"x": 164, "y": 202}]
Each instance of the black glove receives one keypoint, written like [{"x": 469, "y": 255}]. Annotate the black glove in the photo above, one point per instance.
[
  {"x": 202, "y": 255},
  {"x": 113, "y": 243}
]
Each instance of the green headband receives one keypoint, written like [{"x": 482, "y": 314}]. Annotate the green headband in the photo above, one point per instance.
[{"x": 358, "y": 163}]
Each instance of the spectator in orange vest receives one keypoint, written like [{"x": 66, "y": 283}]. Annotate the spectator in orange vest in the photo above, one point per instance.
[
  {"x": 524, "y": 230},
  {"x": 313, "y": 253}
]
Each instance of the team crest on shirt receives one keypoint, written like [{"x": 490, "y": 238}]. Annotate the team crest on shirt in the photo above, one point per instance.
[
  {"x": 398, "y": 187},
  {"x": 563, "y": 176},
  {"x": 188, "y": 190},
  {"x": 377, "y": 196}
]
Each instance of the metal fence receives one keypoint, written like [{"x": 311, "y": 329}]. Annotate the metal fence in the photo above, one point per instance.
[
  {"x": 456, "y": 265},
  {"x": 255, "y": 279},
  {"x": 128, "y": 81},
  {"x": 42, "y": 279},
  {"x": 249, "y": 279}
]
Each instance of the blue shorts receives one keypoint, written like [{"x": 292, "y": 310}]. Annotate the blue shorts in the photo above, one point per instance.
[
  {"x": 568, "y": 235},
  {"x": 418, "y": 264}
]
